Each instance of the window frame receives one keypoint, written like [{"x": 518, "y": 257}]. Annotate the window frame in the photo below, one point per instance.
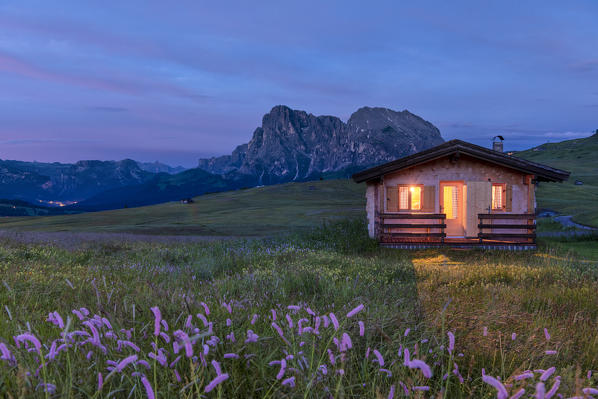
[
  {"x": 503, "y": 198},
  {"x": 409, "y": 198}
]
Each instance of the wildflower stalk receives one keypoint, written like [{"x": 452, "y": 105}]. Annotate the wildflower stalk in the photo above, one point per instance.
[
  {"x": 156, "y": 366},
  {"x": 310, "y": 383},
  {"x": 43, "y": 360}
]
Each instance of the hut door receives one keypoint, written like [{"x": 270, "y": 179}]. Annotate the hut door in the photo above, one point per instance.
[
  {"x": 478, "y": 201},
  {"x": 451, "y": 204}
]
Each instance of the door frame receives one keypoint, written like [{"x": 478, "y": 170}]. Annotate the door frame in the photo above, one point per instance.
[{"x": 462, "y": 208}]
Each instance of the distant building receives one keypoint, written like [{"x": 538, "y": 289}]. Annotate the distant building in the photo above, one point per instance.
[
  {"x": 187, "y": 201},
  {"x": 457, "y": 194}
]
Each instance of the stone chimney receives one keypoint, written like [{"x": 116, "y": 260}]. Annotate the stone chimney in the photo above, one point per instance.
[{"x": 497, "y": 143}]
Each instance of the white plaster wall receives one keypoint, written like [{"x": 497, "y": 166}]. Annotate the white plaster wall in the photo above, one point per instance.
[
  {"x": 370, "y": 207},
  {"x": 465, "y": 169}
]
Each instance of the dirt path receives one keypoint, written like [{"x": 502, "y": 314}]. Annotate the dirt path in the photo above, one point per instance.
[{"x": 567, "y": 222}]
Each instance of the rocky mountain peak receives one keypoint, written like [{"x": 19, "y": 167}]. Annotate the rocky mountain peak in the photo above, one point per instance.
[{"x": 294, "y": 145}]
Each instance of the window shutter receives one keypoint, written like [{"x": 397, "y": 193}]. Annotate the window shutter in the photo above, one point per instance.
[
  {"x": 429, "y": 199},
  {"x": 509, "y": 198},
  {"x": 392, "y": 198}
]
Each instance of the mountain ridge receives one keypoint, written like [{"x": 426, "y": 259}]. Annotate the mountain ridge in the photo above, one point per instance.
[
  {"x": 69, "y": 182},
  {"x": 293, "y": 145}
]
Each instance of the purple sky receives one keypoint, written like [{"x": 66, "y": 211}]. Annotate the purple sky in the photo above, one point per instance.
[{"x": 176, "y": 81}]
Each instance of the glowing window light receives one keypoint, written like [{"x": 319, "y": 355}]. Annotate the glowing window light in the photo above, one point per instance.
[{"x": 416, "y": 198}]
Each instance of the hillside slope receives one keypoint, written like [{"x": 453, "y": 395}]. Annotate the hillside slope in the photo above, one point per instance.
[
  {"x": 580, "y": 157},
  {"x": 63, "y": 182},
  {"x": 261, "y": 211}
]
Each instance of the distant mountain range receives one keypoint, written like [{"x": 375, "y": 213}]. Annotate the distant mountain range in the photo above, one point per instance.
[
  {"x": 296, "y": 146},
  {"x": 290, "y": 145}
]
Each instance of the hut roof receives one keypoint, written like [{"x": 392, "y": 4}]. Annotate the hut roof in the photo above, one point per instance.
[{"x": 458, "y": 147}]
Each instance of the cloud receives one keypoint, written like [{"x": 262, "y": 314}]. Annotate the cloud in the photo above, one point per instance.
[
  {"x": 101, "y": 108},
  {"x": 18, "y": 142},
  {"x": 566, "y": 135},
  {"x": 586, "y": 66},
  {"x": 128, "y": 85}
]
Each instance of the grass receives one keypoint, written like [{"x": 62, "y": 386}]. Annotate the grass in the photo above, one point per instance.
[
  {"x": 579, "y": 157},
  {"x": 263, "y": 211},
  {"x": 331, "y": 269},
  {"x": 293, "y": 207}
]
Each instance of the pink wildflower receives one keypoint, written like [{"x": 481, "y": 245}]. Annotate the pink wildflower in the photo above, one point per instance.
[
  {"x": 283, "y": 367},
  {"x": 216, "y": 381},
  {"x": 289, "y": 381},
  {"x": 157, "y": 320},
  {"x": 355, "y": 311},
  {"x": 216, "y": 366},
  {"x": 546, "y": 375},
  {"x": 500, "y": 388},
  {"x": 420, "y": 364},
  {"x": 379, "y": 357},
  {"x": 148, "y": 387},
  {"x": 334, "y": 321},
  {"x": 182, "y": 336},
  {"x": 203, "y": 319},
  {"x": 31, "y": 338},
  {"x": 518, "y": 394},
  {"x": 251, "y": 337},
  {"x": 120, "y": 366},
  {"x": 451, "y": 345},
  {"x": 540, "y": 391},
  {"x": 346, "y": 342},
  {"x": 554, "y": 388},
  {"x": 279, "y": 331},
  {"x": 523, "y": 376}
]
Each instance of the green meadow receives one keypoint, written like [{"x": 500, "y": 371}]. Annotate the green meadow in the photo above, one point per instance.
[
  {"x": 278, "y": 292},
  {"x": 262, "y": 211},
  {"x": 579, "y": 157},
  {"x": 411, "y": 300}
]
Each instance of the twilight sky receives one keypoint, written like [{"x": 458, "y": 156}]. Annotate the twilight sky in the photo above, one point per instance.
[{"x": 179, "y": 80}]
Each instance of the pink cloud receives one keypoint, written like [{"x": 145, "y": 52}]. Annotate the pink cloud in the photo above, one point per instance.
[{"x": 124, "y": 85}]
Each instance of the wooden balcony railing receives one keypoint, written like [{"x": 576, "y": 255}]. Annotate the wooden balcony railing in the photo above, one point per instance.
[
  {"x": 517, "y": 228},
  {"x": 410, "y": 227}
]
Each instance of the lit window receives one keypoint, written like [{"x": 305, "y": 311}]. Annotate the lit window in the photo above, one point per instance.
[
  {"x": 403, "y": 197},
  {"x": 498, "y": 196},
  {"x": 410, "y": 198},
  {"x": 416, "y": 198},
  {"x": 451, "y": 202}
]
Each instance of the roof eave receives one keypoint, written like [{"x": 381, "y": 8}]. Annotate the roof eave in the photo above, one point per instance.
[{"x": 542, "y": 172}]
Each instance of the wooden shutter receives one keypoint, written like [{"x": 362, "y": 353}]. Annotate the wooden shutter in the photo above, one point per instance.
[
  {"x": 429, "y": 198},
  {"x": 392, "y": 198},
  {"x": 479, "y": 198},
  {"x": 509, "y": 197}
]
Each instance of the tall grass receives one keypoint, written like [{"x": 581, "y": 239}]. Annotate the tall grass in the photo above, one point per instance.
[{"x": 411, "y": 301}]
